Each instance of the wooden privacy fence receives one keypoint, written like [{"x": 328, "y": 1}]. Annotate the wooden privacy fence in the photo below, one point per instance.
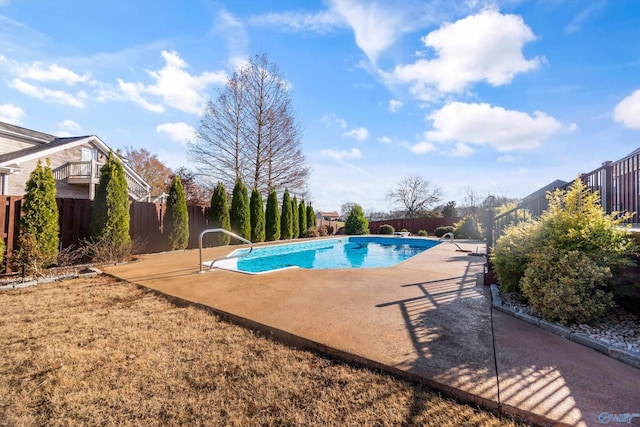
[
  {"x": 145, "y": 226},
  {"x": 414, "y": 225}
]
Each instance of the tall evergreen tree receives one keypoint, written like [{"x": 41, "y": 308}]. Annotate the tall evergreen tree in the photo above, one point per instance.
[
  {"x": 302, "y": 218},
  {"x": 110, "y": 213},
  {"x": 219, "y": 214},
  {"x": 311, "y": 216},
  {"x": 176, "y": 218},
  {"x": 356, "y": 222},
  {"x": 240, "y": 213},
  {"x": 257, "y": 216},
  {"x": 295, "y": 219},
  {"x": 273, "y": 217},
  {"x": 40, "y": 217},
  {"x": 286, "y": 220}
]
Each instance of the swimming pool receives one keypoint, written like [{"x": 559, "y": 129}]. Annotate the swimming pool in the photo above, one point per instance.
[{"x": 343, "y": 252}]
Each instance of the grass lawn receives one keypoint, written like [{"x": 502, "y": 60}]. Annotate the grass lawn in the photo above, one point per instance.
[{"x": 101, "y": 352}]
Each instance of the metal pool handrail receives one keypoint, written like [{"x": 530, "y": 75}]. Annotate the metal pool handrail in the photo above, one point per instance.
[{"x": 222, "y": 230}]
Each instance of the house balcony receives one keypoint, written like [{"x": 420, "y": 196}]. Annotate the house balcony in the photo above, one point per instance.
[{"x": 88, "y": 173}]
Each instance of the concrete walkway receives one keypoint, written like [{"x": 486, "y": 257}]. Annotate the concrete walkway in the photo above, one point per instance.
[{"x": 428, "y": 319}]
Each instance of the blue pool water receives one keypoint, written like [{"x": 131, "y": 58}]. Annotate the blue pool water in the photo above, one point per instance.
[{"x": 345, "y": 252}]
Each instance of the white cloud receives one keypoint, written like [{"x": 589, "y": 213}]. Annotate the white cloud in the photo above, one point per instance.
[
  {"x": 69, "y": 125},
  {"x": 394, "y": 105},
  {"x": 342, "y": 155},
  {"x": 320, "y": 22},
  {"x": 482, "y": 47},
  {"x": 376, "y": 26},
  {"x": 461, "y": 150},
  {"x": 627, "y": 111},
  {"x": 482, "y": 124},
  {"x": 57, "y": 96},
  {"x": 237, "y": 40},
  {"x": 10, "y": 113},
  {"x": 53, "y": 73},
  {"x": 423, "y": 147},
  {"x": 385, "y": 139},
  {"x": 133, "y": 92},
  {"x": 332, "y": 119},
  {"x": 179, "y": 132},
  {"x": 174, "y": 86},
  {"x": 359, "y": 134}
]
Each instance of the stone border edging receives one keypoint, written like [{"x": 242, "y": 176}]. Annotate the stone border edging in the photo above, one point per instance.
[
  {"x": 629, "y": 357},
  {"x": 18, "y": 285}
]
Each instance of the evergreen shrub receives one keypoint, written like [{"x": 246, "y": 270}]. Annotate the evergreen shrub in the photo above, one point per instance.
[
  {"x": 176, "y": 218},
  {"x": 257, "y": 217},
  {"x": 239, "y": 213},
  {"x": 356, "y": 223},
  {"x": 441, "y": 231},
  {"x": 219, "y": 214},
  {"x": 272, "y": 217},
  {"x": 386, "y": 229}
]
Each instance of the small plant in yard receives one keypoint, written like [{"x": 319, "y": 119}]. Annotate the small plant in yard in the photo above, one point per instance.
[
  {"x": 356, "y": 222},
  {"x": 110, "y": 213},
  {"x": 322, "y": 231},
  {"x": 176, "y": 218},
  {"x": 312, "y": 232},
  {"x": 422, "y": 233},
  {"x": 467, "y": 228},
  {"x": 219, "y": 214},
  {"x": 386, "y": 229},
  {"x": 441, "y": 231}
]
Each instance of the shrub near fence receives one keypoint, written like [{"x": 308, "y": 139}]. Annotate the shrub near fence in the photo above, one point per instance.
[
  {"x": 145, "y": 226},
  {"x": 413, "y": 225}
]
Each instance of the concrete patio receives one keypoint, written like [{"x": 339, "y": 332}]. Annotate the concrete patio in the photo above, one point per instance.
[{"x": 428, "y": 319}]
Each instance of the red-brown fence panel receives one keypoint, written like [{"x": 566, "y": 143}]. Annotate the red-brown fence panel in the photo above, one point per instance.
[
  {"x": 10, "y": 210},
  {"x": 197, "y": 222},
  {"x": 145, "y": 226},
  {"x": 74, "y": 220}
]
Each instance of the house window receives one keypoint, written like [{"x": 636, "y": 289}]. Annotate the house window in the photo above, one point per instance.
[{"x": 89, "y": 154}]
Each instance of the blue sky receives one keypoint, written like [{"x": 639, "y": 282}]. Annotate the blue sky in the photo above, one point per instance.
[{"x": 500, "y": 97}]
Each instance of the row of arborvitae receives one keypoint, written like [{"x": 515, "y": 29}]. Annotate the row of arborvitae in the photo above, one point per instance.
[
  {"x": 563, "y": 263},
  {"x": 38, "y": 242},
  {"x": 247, "y": 218}
]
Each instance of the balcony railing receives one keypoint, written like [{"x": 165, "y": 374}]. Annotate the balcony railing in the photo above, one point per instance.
[{"x": 88, "y": 172}]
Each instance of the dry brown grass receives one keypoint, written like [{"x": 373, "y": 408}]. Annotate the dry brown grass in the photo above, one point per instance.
[{"x": 101, "y": 352}]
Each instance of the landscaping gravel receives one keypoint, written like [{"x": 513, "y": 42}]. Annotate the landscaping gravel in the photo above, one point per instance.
[{"x": 618, "y": 327}]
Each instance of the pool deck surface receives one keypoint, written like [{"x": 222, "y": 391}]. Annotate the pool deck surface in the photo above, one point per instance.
[{"x": 428, "y": 319}]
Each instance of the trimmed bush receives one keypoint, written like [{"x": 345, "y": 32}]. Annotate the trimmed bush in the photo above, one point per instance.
[
  {"x": 566, "y": 287},
  {"x": 295, "y": 218},
  {"x": 422, "y": 233},
  {"x": 258, "y": 221},
  {"x": 239, "y": 213},
  {"x": 356, "y": 222},
  {"x": 176, "y": 218},
  {"x": 441, "y": 231},
  {"x": 467, "y": 228},
  {"x": 219, "y": 214},
  {"x": 386, "y": 229},
  {"x": 110, "y": 213},
  {"x": 513, "y": 252},
  {"x": 286, "y": 220},
  {"x": 39, "y": 220},
  {"x": 272, "y": 217},
  {"x": 312, "y": 232},
  {"x": 322, "y": 231},
  {"x": 302, "y": 218}
]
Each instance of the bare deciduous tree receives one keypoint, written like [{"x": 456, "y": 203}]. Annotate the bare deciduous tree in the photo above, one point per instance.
[
  {"x": 150, "y": 168},
  {"x": 249, "y": 133},
  {"x": 416, "y": 195}
]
